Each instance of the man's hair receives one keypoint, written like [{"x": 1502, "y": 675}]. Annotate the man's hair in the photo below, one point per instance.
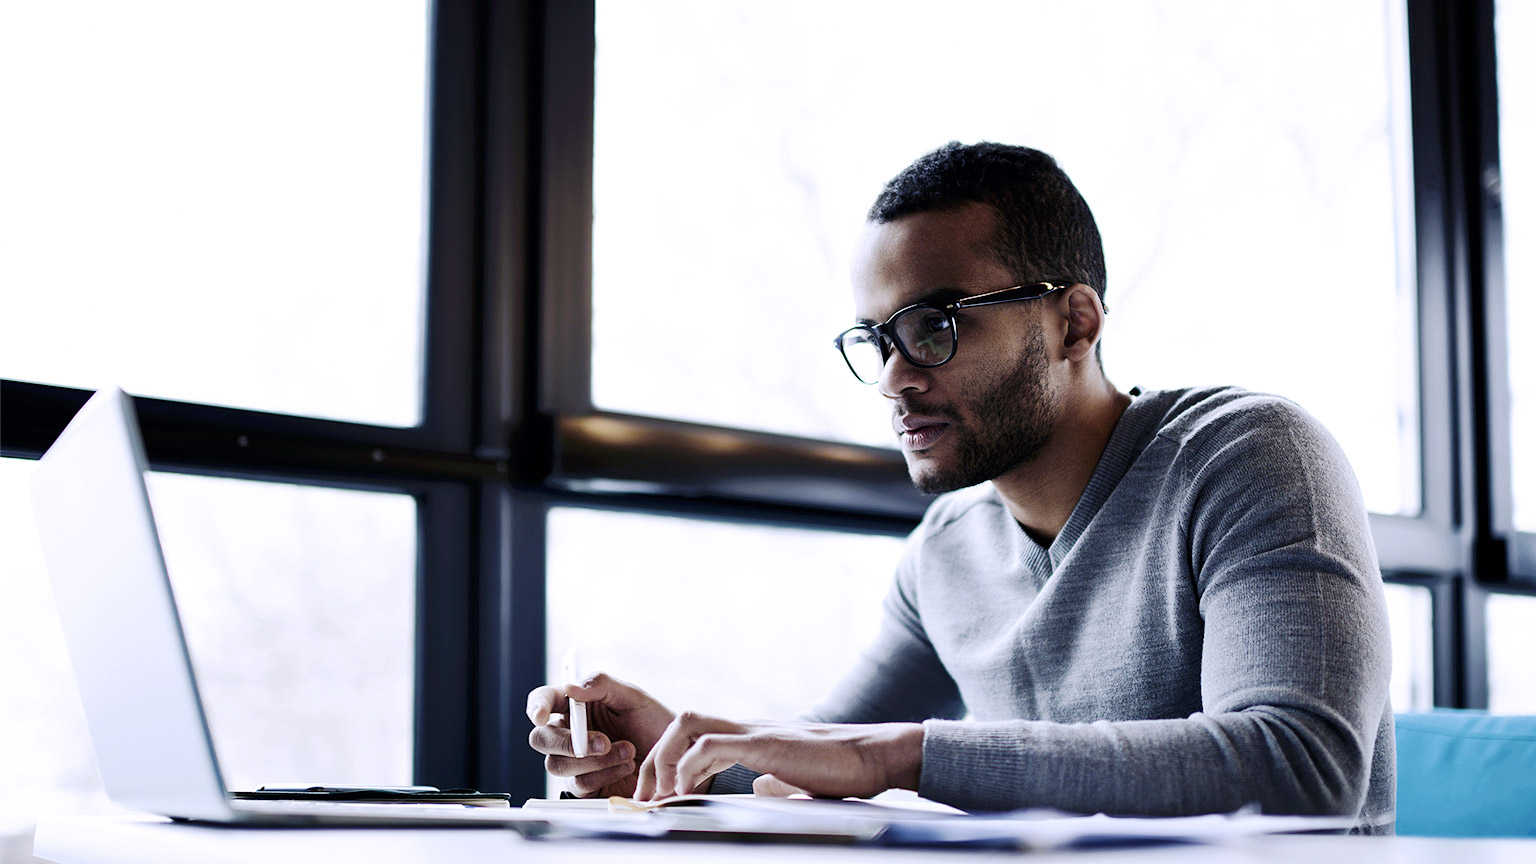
[{"x": 1045, "y": 229}]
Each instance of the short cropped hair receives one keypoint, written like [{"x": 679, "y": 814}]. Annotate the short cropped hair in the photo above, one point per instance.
[{"x": 1046, "y": 231}]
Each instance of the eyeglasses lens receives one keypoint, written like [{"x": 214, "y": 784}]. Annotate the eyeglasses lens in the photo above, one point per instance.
[
  {"x": 861, "y": 347},
  {"x": 927, "y": 337},
  {"x": 927, "y": 334}
]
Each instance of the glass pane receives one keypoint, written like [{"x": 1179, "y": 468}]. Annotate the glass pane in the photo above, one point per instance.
[
  {"x": 1511, "y": 645},
  {"x": 664, "y": 603},
  {"x": 1248, "y": 168},
  {"x": 216, "y": 202},
  {"x": 1409, "y": 612},
  {"x": 298, "y": 605},
  {"x": 1515, "y": 27}
]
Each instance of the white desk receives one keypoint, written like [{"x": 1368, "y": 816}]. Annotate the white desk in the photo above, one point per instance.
[{"x": 119, "y": 840}]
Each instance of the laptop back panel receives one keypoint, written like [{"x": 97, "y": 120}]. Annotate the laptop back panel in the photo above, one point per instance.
[{"x": 119, "y": 617}]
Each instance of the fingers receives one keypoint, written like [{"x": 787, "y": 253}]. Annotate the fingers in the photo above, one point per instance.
[
  {"x": 823, "y": 759},
  {"x": 587, "y": 774},
  {"x": 619, "y": 714},
  {"x": 554, "y": 739},
  {"x": 602, "y": 687},
  {"x": 769, "y": 786},
  {"x": 543, "y": 702},
  {"x": 584, "y": 775},
  {"x": 595, "y": 782},
  {"x": 660, "y": 774},
  {"x": 709, "y": 755}
]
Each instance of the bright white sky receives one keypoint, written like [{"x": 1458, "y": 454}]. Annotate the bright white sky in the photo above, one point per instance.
[{"x": 216, "y": 202}]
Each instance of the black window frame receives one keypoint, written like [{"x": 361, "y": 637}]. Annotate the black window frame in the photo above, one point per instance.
[{"x": 509, "y": 428}]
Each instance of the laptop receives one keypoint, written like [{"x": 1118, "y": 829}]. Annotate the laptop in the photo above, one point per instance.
[{"x": 128, "y": 650}]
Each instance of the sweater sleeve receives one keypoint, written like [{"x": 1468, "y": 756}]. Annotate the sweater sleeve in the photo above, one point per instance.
[{"x": 1294, "y": 658}]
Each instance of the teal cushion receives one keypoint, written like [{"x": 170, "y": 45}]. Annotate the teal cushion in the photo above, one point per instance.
[{"x": 1466, "y": 774}]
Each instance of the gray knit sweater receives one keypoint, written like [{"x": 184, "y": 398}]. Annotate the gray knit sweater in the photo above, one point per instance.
[{"x": 1208, "y": 631}]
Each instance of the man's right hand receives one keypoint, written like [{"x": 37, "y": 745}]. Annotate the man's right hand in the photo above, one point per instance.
[{"x": 624, "y": 723}]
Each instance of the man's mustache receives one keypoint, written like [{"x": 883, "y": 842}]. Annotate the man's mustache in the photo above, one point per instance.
[{"x": 904, "y": 406}]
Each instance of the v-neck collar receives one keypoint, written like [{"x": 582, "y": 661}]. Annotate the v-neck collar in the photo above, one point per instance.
[{"x": 1137, "y": 425}]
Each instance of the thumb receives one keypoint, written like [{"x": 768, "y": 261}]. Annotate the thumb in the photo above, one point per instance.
[
  {"x": 769, "y": 786},
  {"x": 604, "y": 688}
]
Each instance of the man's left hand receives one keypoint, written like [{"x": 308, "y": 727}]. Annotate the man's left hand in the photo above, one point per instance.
[{"x": 829, "y": 760}]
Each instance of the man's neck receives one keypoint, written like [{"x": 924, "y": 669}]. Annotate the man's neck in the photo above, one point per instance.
[{"x": 1042, "y": 492}]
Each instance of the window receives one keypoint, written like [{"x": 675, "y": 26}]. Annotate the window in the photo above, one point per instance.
[
  {"x": 664, "y": 602},
  {"x": 219, "y": 202},
  {"x": 1511, "y": 644},
  {"x": 225, "y": 208},
  {"x": 1248, "y": 168},
  {"x": 1409, "y": 609},
  {"x": 46, "y": 760},
  {"x": 1514, "y": 24}
]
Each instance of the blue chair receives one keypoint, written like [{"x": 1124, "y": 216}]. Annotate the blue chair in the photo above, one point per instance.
[{"x": 1466, "y": 774}]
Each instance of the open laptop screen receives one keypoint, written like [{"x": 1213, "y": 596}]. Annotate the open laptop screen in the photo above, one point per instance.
[{"x": 119, "y": 616}]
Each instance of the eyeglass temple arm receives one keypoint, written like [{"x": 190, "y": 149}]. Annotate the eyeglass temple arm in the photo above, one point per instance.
[
  {"x": 981, "y": 299},
  {"x": 993, "y": 297}
]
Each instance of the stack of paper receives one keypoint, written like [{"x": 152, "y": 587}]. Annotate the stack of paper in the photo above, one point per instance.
[{"x": 899, "y": 822}]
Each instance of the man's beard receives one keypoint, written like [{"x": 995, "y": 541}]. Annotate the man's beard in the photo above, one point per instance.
[{"x": 1012, "y": 419}]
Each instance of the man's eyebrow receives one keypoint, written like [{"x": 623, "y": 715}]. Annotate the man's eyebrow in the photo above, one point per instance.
[
  {"x": 939, "y": 296},
  {"x": 931, "y": 296},
  {"x": 944, "y": 295}
]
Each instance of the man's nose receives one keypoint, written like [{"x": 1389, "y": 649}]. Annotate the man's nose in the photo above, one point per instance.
[{"x": 898, "y": 377}]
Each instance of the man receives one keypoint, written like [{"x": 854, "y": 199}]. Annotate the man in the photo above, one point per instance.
[{"x": 1162, "y": 603}]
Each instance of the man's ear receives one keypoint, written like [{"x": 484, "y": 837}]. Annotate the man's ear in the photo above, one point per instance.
[{"x": 1085, "y": 322}]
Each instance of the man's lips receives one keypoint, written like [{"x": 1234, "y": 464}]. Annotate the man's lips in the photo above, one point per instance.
[{"x": 918, "y": 432}]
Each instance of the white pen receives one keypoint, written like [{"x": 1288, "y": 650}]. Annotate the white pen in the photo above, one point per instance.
[{"x": 577, "y": 715}]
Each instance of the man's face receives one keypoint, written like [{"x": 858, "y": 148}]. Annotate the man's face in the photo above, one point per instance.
[{"x": 991, "y": 408}]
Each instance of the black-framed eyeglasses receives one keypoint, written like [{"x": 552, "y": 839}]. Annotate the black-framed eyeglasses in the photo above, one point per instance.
[{"x": 924, "y": 333}]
